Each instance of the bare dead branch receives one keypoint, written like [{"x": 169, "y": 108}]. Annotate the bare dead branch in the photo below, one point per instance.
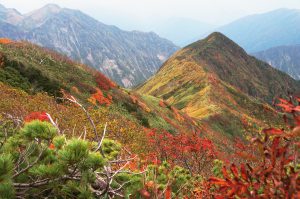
[
  {"x": 100, "y": 142},
  {"x": 53, "y": 123}
]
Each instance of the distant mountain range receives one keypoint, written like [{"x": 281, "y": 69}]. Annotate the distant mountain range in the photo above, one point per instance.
[
  {"x": 263, "y": 31},
  {"x": 254, "y": 32},
  {"x": 128, "y": 58},
  {"x": 284, "y": 58}
]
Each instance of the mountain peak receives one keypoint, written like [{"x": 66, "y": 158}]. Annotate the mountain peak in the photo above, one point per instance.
[
  {"x": 39, "y": 16},
  {"x": 44, "y": 11},
  {"x": 216, "y": 35},
  {"x": 51, "y": 7},
  {"x": 216, "y": 38},
  {"x": 10, "y": 15},
  {"x": 215, "y": 43}
]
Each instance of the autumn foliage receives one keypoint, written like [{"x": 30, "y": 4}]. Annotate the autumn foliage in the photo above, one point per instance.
[
  {"x": 171, "y": 162},
  {"x": 41, "y": 116},
  {"x": 103, "y": 82},
  {"x": 191, "y": 151},
  {"x": 5, "y": 41},
  {"x": 275, "y": 174},
  {"x": 99, "y": 98}
]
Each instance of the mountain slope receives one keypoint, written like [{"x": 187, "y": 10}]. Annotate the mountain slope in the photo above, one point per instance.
[
  {"x": 10, "y": 31},
  {"x": 216, "y": 82},
  {"x": 262, "y": 31},
  {"x": 128, "y": 58},
  {"x": 284, "y": 58},
  {"x": 43, "y": 74}
]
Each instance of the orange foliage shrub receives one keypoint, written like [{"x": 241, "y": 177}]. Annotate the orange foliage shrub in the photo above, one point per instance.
[
  {"x": 75, "y": 90},
  {"x": 100, "y": 98},
  {"x": 51, "y": 146},
  {"x": 144, "y": 106},
  {"x": 5, "y": 41},
  {"x": 134, "y": 99},
  {"x": 177, "y": 114},
  {"x": 168, "y": 120},
  {"x": 141, "y": 104},
  {"x": 162, "y": 104}
]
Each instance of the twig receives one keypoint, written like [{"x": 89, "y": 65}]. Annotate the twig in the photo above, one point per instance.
[
  {"x": 120, "y": 161},
  {"x": 30, "y": 165}
]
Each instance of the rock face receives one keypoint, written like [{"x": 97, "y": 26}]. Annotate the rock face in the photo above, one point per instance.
[
  {"x": 284, "y": 58},
  {"x": 128, "y": 58}
]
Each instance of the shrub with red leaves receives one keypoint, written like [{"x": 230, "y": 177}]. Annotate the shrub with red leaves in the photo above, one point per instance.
[
  {"x": 42, "y": 116},
  {"x": 103, "y": 82},
  {"x": 276, "y": 175},
  {"x": 189, "y": 151}
]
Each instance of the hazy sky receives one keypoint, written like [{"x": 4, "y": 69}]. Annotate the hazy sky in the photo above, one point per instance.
[{"x": 143, "y": 12}]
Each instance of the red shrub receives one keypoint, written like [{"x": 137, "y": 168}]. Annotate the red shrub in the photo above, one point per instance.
[
  {"x": 103, "y": 82},
  {"x": 185, "y": 150},
  {"x": 275, "y": 174},
  {"x": 42, "y": 116}
]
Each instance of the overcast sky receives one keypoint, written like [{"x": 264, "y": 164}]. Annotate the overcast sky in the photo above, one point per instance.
[{"x": 118, "y": 12}]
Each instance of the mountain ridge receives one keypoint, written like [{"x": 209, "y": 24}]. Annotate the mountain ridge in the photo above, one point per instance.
[
  {"x": 200, "y": 80},
  {"x": 229, "y": 69}
]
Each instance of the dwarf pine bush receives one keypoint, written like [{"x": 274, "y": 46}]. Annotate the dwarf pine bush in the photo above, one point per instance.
[{"x": 37, "y": 162}]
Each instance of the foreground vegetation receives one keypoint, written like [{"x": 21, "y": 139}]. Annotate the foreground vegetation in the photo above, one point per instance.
[{"x": 38, "y": 160}]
